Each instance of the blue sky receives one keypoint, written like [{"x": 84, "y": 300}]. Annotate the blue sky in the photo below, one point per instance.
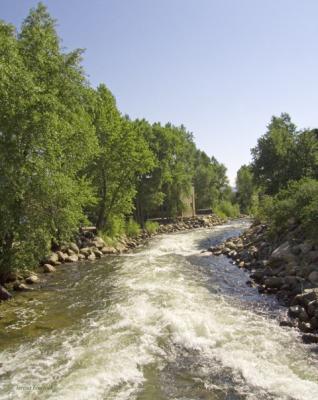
[{"x": 220, "y": 67}]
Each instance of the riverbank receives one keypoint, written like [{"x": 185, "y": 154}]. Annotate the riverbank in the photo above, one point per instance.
[
  {"x": 287, "y": 268},
  {"x": 88, "y": 247}
]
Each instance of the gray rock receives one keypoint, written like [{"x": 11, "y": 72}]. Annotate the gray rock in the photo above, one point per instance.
[
  {"x": 98, "y": 242},
  {"x": 314, "y": 323},
  {"x": 313, "y": 278},
  {"x": 86, "y": 251},
  {"x": 48, "y": 268},
  {"x": 274, "y": 282},
  {"x": 97, "y": 253},
  {"x": 309, "y": 339},
  {"x": 72, "y": 258},
  {"x": 91, "y": 257},
  {"x": 108, "y": 250},
  {"x": 305, "y": 298},
  {"x": 4, "y": 294},
  {"x": 312, "y": 307},
  {"x": 283, "y": 252},
  {"x": 53, "y": 259},
  {"x": 21, "y": 287},
  {"x": 61, "y": 256},
  {"x": 294, "y": 311},
  {"x": 305, "y": 327},
  {"x": 32, "y": 279},
  {"x": 74, "y": 247}
]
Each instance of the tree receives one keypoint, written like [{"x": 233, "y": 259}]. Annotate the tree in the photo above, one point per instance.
[
  {"x": 272, "y": 157},
  {"x": 210, "y": 181},
  {"x": 245, "y": 188},
  {"x": 46, "y": 140},
  {"x": 123, "y": 156}
]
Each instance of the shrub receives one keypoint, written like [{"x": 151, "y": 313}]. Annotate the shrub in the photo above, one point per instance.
[
  {"x": 132, "y": 228},
  {"x": 297, "y": 203},
  {"x": 226, "y": 209},
  {"x": 151, "y": 227},
  {"x": 115, "y": 227}
]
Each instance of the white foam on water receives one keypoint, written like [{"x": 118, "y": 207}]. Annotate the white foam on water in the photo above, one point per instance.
[{"x": 162, "y": 304}]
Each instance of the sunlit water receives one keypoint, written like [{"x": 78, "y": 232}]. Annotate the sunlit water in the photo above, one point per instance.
[{"x": 164, "y": 322}]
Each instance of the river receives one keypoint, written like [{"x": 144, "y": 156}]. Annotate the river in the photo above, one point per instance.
[{"x": 163, "y": 322}]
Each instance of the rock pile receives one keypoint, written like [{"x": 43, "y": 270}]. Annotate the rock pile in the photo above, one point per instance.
[
  {"x": 89, "y": 247},
  {"x": 288, "y": 269}
]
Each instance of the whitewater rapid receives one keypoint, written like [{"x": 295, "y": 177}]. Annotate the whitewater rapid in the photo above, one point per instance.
[{"x": 163, "y": 322}]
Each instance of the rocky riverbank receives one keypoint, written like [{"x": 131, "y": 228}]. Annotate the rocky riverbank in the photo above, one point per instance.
[
  {"x": 288, "y": 269},
  {"x": 89, "y": 247}
]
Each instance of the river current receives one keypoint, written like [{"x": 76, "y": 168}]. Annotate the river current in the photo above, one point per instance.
[{"x": 163, "y": 322}]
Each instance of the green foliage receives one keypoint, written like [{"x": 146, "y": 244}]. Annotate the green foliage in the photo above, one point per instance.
[
  {"x": 151, "y": 227},
  {"x": 226, "y": 209},
  {"x": 298, "y": 203},
  {"x": 160, "y": 192},
  {"x": 46, "y": 139},
  {"x": 123, "y": 156},
  {"x": 115, "y": 227},
  {"x": 210, "y": 181},
  {"x": 68, "y": 156},
  {"x": 132, "y": 228},
  {"x": 284, "y": 154},
  {"x": 245, "y": 189}
]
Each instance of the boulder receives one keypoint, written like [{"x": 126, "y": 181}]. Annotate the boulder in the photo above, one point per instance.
[
  {"x": 86, "y": 251},
  {"x": 313, "y": 278},
  {"x": 74, "y": 247},
  {"x": 305, "y": 327},
  {"x": 312, "y": 307},
  {"x": 294, "y": 311},
  {"x": 32, "y": 279},
  {"x": 306, "y": 297},
  {"x": 4, "y": 294},
  {"x": 98, "y": 242},
  {"x": 312, "y": 256},
  {"x": 282, "y": 253},
  {"x": 108, "y": 250},
  {"x": 91, "y": 257},
  {"x": 314, "y": 323},
  {"x": 97, "y": 253},
  {"x": 81, "y": 257},
  {"x": 274, "y": 282},
  {"x": 231, "y": 245},
  {"x": 53, "y": 259},
  {"x": 309, "y": 339},
  {"x": 71, "y": 258},
  {"x": 48, "y": 268},
  {"x": 61, "y": 256},
  {"x": 21, "y": 287}
]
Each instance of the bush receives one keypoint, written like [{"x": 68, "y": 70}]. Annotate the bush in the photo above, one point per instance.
[
  {"x": 132, "y": 228},
  {"x": 115, "y": 227},
  {"x": 151, "y": 227},
  {"x": 297, "y": 203},
  {"x": 225, "y": 209}
]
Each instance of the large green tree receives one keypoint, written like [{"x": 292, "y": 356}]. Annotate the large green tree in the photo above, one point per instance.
[
  {"x": 272, "y": 157},
  {"x": 46, "y": 139},
  {"x": 123, "y": 156}
]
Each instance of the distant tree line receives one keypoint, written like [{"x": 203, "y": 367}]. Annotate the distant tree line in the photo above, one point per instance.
[{"x": 69, "y": 157}]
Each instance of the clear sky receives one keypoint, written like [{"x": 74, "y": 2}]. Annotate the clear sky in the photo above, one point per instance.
[{"x": 220, "y": 67}]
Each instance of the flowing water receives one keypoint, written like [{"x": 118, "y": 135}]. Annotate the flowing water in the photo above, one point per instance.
[{"x": 163, "y": 322}]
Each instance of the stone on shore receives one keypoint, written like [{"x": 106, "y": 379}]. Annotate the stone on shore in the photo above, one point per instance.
[
  {"x": 21, "y": 287},
  {"x": 32, "y": 279},
  {"x": 4, "y": 294},
  {"x": 48, "y": 268}
]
